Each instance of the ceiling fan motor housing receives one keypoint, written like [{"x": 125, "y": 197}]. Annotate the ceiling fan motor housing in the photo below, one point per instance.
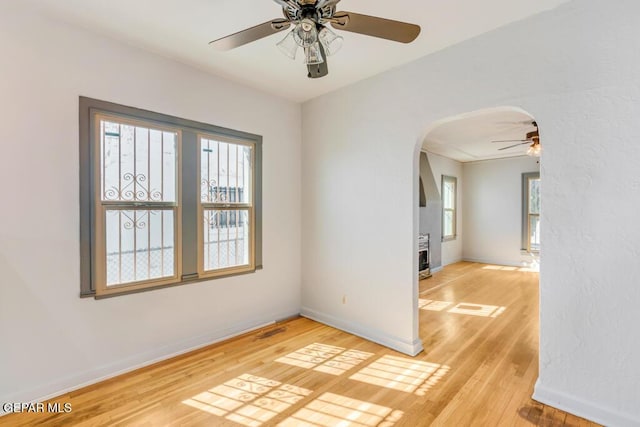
[{"x": 309, "y": 10}]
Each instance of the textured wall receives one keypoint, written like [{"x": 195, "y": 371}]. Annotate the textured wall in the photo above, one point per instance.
[
  {"x": 51, "y": 338},
  {"x": 576, "y": 70}
]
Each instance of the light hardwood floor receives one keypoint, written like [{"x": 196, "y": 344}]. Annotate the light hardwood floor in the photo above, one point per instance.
[{"x": 480, "y": 333}]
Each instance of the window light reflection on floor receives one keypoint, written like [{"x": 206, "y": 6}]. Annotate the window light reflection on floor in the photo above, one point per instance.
[
  {"x": 248, "y": 400},
  {"x": 427, "y": 304},
  {"x": 325, "y": 358},
  {"x": 480, "y": 310},
  {"x": 402, "y": 374},
  {"x": 331, "y": 410}
]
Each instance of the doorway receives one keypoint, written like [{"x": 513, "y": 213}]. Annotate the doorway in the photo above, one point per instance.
[{"x": 480, "y": 194}]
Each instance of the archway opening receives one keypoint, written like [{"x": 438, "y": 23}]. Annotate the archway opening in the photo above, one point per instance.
[
  {"x": 479, "y": 204},
  {"x": 479, "y": 190}
]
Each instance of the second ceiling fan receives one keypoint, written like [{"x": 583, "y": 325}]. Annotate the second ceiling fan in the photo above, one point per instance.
[
  {"x": 310, "y": 19},
  {"x": 532, "y": 138}
]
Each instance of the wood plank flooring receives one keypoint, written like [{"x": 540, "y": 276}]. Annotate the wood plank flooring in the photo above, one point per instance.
[{"x": 480, "y": 333}]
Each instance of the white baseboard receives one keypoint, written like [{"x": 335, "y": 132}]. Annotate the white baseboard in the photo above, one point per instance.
[
  {"x": 582, "y": 408},
  {"x": 403, "y": 346},
  {"x": 87, "y": 378},
  {"x": 452, "y": 262},
  {"x": 436, "y": 269},
  {"x": 494, "y": 261}
]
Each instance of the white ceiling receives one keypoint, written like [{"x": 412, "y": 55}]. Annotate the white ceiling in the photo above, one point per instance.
[
  {"x": 469, "y": 137},
  {"x": 182, "y": 29}
]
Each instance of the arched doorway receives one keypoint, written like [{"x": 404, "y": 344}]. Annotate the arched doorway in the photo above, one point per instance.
[
  {"x": 499, "y": 149},
  {"x": 478, "y": 312}
]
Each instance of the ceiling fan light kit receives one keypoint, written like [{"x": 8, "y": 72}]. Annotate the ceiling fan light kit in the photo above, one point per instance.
[
  {"x": 306, "y": 35},
  {"x": 288, "y": 46},
  {"x": 535, "y": 150},
  {"x": 331, "y": 42},
  {"x": 312, "y": 55},
  {"x": 533, "y": 138},
  {"x": 310, "y": 19}
]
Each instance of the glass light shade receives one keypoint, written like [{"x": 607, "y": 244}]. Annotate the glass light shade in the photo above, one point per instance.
[
  {"x": 331, "y": 41},
  {"x": 313, "y": 55},
  {"x": 288, "y": 45},
  {"x": 535, "y": 150},
  {"x": 305, "y": 33}
]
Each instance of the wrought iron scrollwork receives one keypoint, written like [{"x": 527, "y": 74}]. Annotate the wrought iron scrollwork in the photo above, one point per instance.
[
  {"x": 135, "y": 189},
  {"x": 139, "y": 220},
  {"x": 211, "y": 193}
]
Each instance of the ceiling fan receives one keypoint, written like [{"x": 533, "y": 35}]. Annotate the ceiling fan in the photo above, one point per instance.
[
  {"x": 532, "y": 138},
  {"x": 309, "y": 19}
]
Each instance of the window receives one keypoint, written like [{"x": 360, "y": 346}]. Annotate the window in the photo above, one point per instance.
[
  {"x": 226, "y": 205},
  {"x": 137, "y": 221},
  {"x": 164, "y": 201},
  {"x": 449, "y": 206},
  {"x": 531, "y": 212}
]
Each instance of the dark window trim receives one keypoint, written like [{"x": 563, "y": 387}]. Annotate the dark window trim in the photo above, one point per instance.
[
  {"x": 190, "y": 129},
  {"x": 455, "y": 207},
  {"x": 524, "y": 241}
]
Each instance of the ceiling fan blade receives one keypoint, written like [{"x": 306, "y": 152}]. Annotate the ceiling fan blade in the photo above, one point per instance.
[
  {"x": 250, "y": 34},
  {"x": 512, "y": 146},
  {"x": 319, "y": 70},
  {"x": 377, "y": 27},
  {"x": 527, "y": 122},
  {"x": 514, "y": 140}
]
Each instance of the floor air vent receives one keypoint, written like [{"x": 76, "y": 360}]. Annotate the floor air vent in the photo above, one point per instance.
[{"x": 271, "y": 333}]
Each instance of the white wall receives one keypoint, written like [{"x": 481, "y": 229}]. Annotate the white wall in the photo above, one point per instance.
[
  {"x": 52, "y": 339},
  {"x": 575, "y": 70},
  {"x": 451, "y": 249},
  {"x": 493, "y": 210}
]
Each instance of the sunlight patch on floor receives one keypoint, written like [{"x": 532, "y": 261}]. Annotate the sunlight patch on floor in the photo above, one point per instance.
[
  {"x": 325, "y": 358},
  {"x": 480, "y": 310},
  {"x": 334, "y": 410},
  {"x": 427, "y": 304},
  {"x": 402, "y": 374},
  {"x": 248, "y": 399}
]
